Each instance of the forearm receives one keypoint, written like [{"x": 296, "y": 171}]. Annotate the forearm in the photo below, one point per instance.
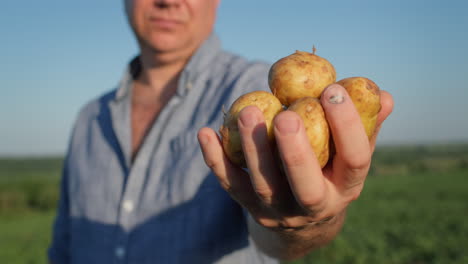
[{"x": 289, "y": 244}]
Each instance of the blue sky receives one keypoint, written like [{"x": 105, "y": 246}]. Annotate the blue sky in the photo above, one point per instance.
[{"x": 57, "y": 55}]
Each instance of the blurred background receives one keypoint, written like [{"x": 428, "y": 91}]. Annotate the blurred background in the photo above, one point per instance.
[{"x": 57, "y": 55}]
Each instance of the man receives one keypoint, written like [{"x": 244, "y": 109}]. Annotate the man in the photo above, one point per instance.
[{"x": 135, "y": 185}]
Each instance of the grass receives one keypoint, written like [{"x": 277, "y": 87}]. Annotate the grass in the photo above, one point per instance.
[
  {"x": 418, "y": 218},
  {"x": 25, "y": 236},
  {"x": 413, "y": 210},
  {"x": 28, "y": 197}
]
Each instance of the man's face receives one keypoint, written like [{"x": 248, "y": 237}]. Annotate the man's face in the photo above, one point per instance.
[{"x": 171, "y": 25}]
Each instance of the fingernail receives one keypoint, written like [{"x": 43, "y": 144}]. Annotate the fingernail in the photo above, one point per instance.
[
  {"x": 248, "y": 120},
  {"x": 288, "y": 125},
  {"x": 334, "y": 94}
]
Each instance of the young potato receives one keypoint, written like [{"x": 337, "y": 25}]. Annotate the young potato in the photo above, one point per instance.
[
  {"x": 300, "y": 74},
  {"x": 267, "y": 103},
  {"x": 311, "y": 112},
  {"x": 365, "y": 95}
]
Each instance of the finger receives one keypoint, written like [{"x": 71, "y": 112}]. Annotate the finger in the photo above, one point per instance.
[
  {"x": 232, "y": 178},
  {"x": 352, "y": 159},
  {"x": 300, "y": 162},
  {"x": 386, "y": 102},
  {"x": 258, "y": 154}
]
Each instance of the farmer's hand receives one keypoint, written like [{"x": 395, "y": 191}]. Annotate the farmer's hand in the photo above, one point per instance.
[{"x": 307, "y": 194}]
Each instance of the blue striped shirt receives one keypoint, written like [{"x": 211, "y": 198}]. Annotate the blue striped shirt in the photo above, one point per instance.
[{"x": 165, "y": 206}]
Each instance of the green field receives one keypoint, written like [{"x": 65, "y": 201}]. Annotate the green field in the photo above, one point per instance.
[{"x": 414, "y": 209}]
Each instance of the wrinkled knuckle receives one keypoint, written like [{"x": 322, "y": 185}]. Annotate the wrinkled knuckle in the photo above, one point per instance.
[
  {"x": 352, "y": 187},
  {"x": 265, "y": 195},
  {"x": 354, "y": 195},
  {"x": 226, "y": 186},
  {"x": 351, "y": 194},
  {"x": 312, "y": 201},
  {"x": 292, "y": 223},
  {"x": 211, "y": 163},
  {"x": 268, "y": 223},
  {"x": 359, "y": 162},
  {"x": 320, "y": 216}
]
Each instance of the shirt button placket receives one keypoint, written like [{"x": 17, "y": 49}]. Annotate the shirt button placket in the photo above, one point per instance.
[
  {"x": 127, "y": 206},
  {"x": 121, "y": 247},
  {"x": 119, "y": 252}
]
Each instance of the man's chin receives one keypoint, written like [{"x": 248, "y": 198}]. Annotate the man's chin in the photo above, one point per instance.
[
  {"x": 169, "y": 45},
  {"x": 163, "y": 43}
]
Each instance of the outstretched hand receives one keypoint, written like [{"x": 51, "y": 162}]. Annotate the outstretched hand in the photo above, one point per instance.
[{"x": 305, "y": 194}]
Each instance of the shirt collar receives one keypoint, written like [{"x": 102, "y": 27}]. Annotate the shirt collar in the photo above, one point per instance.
[
  {"x": 130, "y": 74},
  {"x": 198, "y": 63}
]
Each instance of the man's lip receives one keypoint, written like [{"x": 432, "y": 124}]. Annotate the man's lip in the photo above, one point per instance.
[{"x": 164, "y": 22}]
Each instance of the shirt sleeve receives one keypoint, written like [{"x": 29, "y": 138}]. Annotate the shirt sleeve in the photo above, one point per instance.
[
  {"x": 58, "y": 252},
  {"x": 59, "y": 248},
  {"x": 254, "y": 78}
]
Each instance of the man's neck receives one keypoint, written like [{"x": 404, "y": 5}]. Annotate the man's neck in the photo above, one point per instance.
[
  {"x": 153, "y": 88},
  {"x": 158, "y": 74}
]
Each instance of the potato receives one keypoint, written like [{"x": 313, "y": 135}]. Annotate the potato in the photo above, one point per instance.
[
  {"x": 300, "y": 74},
  {"x": 311, "y": 112},
  {"x": 267, "y": 103},
  {"x": 365, "y": 95},
  {"x": 297, "y": 82}
]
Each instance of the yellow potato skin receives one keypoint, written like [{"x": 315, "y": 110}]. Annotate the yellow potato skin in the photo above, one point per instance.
[
  {"x": 365, "y": 95},
  {"x": 298, "y": 75},
  {"x": 316, "y": 126},
  {"x": 230, "y": 136}
]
